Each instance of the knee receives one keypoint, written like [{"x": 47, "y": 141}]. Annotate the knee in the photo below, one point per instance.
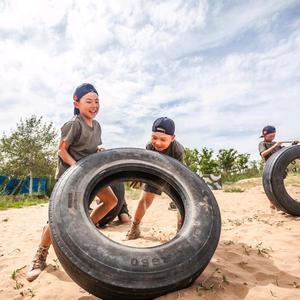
[{"x": 113, "y": 202}]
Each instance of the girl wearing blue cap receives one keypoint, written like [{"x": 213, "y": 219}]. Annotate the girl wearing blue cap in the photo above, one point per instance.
[{"x": 80, "y": 137}]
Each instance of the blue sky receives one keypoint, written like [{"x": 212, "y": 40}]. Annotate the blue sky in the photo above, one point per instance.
[{"x": 221, "y": 69}]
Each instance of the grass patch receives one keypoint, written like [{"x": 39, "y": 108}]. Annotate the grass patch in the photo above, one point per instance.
[
  {"x": 244, "y": 184},
  {"x": 14, "y": 274},
  {"x": 234, "y": 190},
  {"x": 235, "y": 177},
  {"x": 293, "y": 179},
  {"x": 19, "y": 201}
]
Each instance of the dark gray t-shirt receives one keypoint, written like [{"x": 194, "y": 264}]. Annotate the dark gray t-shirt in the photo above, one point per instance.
[
  {"x": 263, "y": 146},
  {"x": 175, "y": 150},
  {"x": 83, "y": 140}
]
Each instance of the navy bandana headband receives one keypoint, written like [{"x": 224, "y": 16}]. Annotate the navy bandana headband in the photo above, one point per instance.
[{"x": 80, "y": 92}]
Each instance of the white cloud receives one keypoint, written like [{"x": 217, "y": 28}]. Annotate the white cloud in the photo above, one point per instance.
[{"x": 177, "y": 58}]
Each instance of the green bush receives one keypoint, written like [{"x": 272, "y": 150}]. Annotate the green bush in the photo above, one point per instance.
[
  {"x": 234, "y": 190},
  {"x": 228, "y": 163},
  {"x": 234, "y": 177}
]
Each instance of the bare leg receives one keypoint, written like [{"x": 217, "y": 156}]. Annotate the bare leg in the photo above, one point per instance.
[
  {"x": 39, "y": 260},
  {"x": 109, "y": 201},
  {"x": 46, "y": 238},
  {"x": 145, "y": 201}
]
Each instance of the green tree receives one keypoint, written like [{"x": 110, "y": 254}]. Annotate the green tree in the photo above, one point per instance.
[
  {"x": 201, "y": 162},
  {"x": 242, "y": 161},
  {"x": 207, "y": 164},
  {"x": 229, "y": 163},
  {"x": 30, "y": 150},
  {"x": 226, "y": 160},
  {"x": 192, "y": 159}
]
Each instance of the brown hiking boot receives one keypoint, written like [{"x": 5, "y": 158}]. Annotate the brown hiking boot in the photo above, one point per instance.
[
  {"x": 134, "y": 231},
  {"x": 38, "y": 263}
]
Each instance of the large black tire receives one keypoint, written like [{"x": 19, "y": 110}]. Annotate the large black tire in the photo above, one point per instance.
[
  {"x": 119, "y": 190},
  {"x": 273, "y": 179},
  {"x": 113, "y": 271}
]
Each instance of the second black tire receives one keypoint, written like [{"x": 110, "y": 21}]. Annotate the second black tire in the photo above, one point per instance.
[
  {"x": 111, "y": 270},
  {"x": 273, "y": 179}
]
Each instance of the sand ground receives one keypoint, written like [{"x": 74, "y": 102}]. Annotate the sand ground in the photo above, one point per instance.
[{"x": 258, "y": 257}]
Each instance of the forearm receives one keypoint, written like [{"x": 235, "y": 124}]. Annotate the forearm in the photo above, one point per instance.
[
  {"x": 268, "y": 151},
  {"x": 66, "y": 157}
]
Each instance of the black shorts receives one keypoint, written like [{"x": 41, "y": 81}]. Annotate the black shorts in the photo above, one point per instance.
[
  {"x": 155, "y": 190},
  {"x": 124, "y": 209}
]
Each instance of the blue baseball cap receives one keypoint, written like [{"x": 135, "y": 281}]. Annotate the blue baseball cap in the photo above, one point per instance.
[
  {"x": 268, "y": 129},
  {"x": 164, "y": 125},
  {"x": 80, "y": 92}
]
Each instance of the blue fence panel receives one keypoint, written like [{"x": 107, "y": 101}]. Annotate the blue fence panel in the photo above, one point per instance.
[
  {"x": 35, "y": 185},
  {"x": 43, "y": 185},
  {"x": 25, "y": 187},
  {"x": 11, "y": 185},
  {"x": 2, "y": 179},
  {"x": 15, "y": 185}
]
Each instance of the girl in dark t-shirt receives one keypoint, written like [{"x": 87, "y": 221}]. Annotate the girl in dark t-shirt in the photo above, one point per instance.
[{"x": 80, "y": 137}]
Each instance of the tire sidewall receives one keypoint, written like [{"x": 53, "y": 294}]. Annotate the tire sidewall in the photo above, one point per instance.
[{"x": 80, "y": 244}]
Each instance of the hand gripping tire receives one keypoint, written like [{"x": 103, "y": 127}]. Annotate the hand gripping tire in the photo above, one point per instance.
[
  {"x": 273, "y": 179},
  {"x": 113, "y": 271}
]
